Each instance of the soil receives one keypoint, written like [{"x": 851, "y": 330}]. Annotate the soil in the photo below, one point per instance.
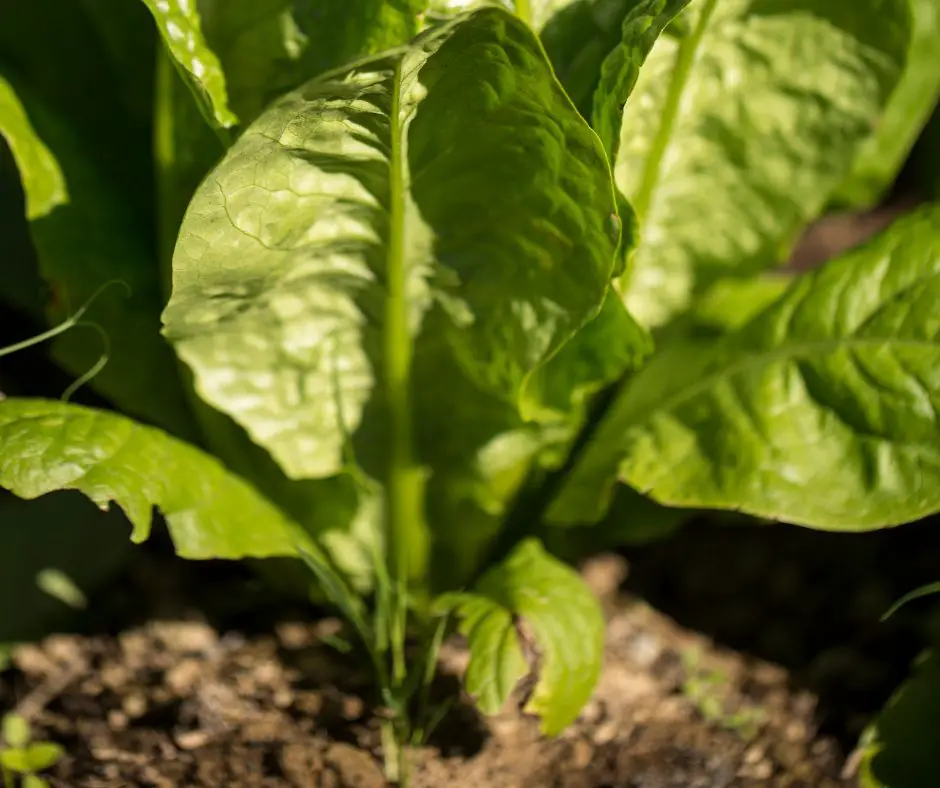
[{"x": 178, "y": 702}]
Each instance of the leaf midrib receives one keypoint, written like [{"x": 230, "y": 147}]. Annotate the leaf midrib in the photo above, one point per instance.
[
  {"x": 757, "y": 360},
  {"x": 688, "y": 49}
]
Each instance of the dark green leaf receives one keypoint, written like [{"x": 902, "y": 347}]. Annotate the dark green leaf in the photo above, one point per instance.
[
  {"x": 442, "y": 197},
  {"x": 578, "y": 38},
  {"x": 881, "y": 156},
  {"x": 746, "y": 117},
  {"x": 565, "y": 621},
  {"x": 901, "y": 747},
  {"x": 821, "y": 411},
  {"x": 210, "y": 512}
]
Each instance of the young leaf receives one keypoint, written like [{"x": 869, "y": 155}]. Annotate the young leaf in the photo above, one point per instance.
[
  {"x": 821, "y": 411},
  {"x": 181, "y": 28},
  {"x": 42, "y": 755},
  {"x": 746, "y": 117},
  {"x": 15, "y": 731},
  {"x": 442, "y": 197},
  {"x": 210, "y": 512},
  {"x": 43, "y": 183},
  {"x": 879, "y": 159},
  {"x": 564, "y": 618}
]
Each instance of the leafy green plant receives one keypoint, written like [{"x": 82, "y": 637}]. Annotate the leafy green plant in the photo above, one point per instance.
[
  {"x": 400, "y": 268},
  {"x": 23, "y": 758}
]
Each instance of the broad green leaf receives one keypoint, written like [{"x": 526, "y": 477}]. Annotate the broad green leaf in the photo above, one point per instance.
[
  {"x": 34, "y": 781},
  {"x": 43, "y": 182},
  {"x": 578, "y": 38},
  {"x": 565, "y": 621},
  {"x": 441, "y": 200},
  {"x": 821, "y": 411},
  {"x": 881, "y": 156},
  {"x": 181, "y": 28},
  {"x": 900, "y": 748},
  {"x": 747, "y": 115},
  {"x": 210, "y": 512}
]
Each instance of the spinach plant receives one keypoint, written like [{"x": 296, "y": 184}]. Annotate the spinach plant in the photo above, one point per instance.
[{"x": 415, "y": 259}]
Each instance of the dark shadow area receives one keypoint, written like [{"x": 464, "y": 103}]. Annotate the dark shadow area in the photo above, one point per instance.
[{"x": 810, "y": 601}]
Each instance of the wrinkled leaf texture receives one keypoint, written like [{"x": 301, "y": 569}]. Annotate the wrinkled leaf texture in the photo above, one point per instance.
[
  {"x": 746, "y": 117},
  {"x": 446, "y": 192},
  {"x": 820, "y": 411}
]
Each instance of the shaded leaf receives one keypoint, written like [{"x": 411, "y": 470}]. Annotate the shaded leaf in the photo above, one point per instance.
[
  {"x": 900, "y": 749},
  {"x": 879, "y": 159},
  {"x": 578, "y": 38},
  {"x": 210, "y": 513},
  {"x": 566, "y": 623},
  {"x": 43, "y": 182},
  {"x": 180, "y": 25},
  {"x": 746, "y": 117},
  {"x": 821, "y": 411}
]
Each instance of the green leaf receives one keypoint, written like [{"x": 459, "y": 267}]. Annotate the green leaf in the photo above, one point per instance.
[
  {"x": 882, "y": 155},
  {"x": 598, "y": 355},
  {"x": 210, "y": 512},
  {"x": 578, "y": 37},
  {"x": 32, "y": 781},
  {"x": 731, "y": 303},
  {"x": 43, "y": 182},
  {"x": 441, "y": 200},
  {"x": 51, "y": 52},
  {"x": 180, "y": 25},
  {"x": 900, "y": 749},
  {"x": 821, "y": 411},
  {"x": 16, "y": 732},
  {"x": 43, "y": 755},
  {"x": 268, "y": 47},
  {"x": 566, "y": 623},
  {"x": 747, "y": 115}
]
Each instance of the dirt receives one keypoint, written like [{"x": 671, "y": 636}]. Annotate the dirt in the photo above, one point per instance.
[{"x": 177, "y": 702}]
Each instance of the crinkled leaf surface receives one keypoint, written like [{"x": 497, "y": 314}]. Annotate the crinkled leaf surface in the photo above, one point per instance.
[
  {"x": 821, "y": 411},
  {"x": 443, "y": 196},
  {"x": 564, "y": 619},
  {"x": 881, "y": 157},
  {"x": 43, "y": 182},
  {"x": 210, "y": 512},
  {"x": 900, "y": 749},
  {"x": 180, "y": 25},
  {"x": 746, "y": 117}
]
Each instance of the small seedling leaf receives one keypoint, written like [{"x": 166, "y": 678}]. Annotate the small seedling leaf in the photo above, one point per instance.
[
  {"x": 43, "y": 755},
  {"x": 564, "y": 618},
  {"x": 16, "y": 732}
]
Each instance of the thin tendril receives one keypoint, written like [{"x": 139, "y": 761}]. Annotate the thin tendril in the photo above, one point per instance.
[{"x": 96, "y": 368}]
